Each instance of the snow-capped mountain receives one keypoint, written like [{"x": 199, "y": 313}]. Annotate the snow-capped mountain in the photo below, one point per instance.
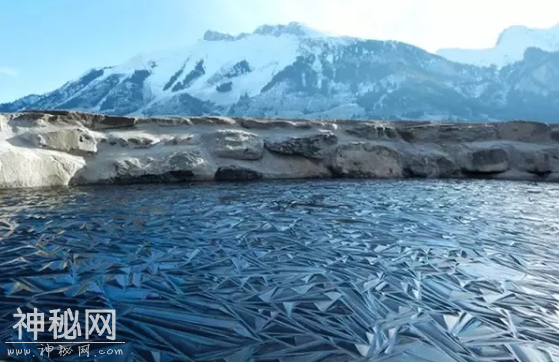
[
  {"x": 510, "y": 47},
  {"x": 292, "y": 71}
]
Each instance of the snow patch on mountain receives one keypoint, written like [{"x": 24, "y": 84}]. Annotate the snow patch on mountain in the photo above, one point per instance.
[
  {"x": 294, "y": 71},
  {"x": 293, "y": 29},
  {"x": 510, "y": 47},
  {"x": 263, "y": 54}
]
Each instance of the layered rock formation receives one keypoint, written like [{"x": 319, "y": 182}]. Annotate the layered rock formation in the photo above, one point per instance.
[{"x": 56, "y": 148}]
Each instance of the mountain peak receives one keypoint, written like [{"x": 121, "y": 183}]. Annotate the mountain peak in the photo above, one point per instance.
[
  {"x": 293, "y": 71},
  {"x": 294, "y": 28},
  {"x": 510, "y": 33},
  {"x": 510, "y": 47},
  {"x": 212, "y": 35}
]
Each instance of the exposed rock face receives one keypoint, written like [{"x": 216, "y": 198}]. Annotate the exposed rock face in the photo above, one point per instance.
[
  {"x": 366, "y": 160},
  {"x": 139, "y": 141},
  {"x": 180, "y": 140},
  {"x": 62, "y": 148},
  {"x": 67, "y": 140},
  {"x": 212, "y": 121},
  {"x": 431, "y": 166},
  {"x": 235, "y": 144},
  {"x": 537, "y": 162},
  {"x": 373, "y": 131},
  {"x": 437, "y": 133},
  {"x": 236, "y": 173},
  {"x": 316, "y": 146},
  {"x": 524, "y": 131},
  {"x": 22, "y": 168},
  {"x": 486, "y": 161},
  {"x": 181, "y": 166},
  {"x": 263, "y": 124},
  {"x": 89, "y": 120}
]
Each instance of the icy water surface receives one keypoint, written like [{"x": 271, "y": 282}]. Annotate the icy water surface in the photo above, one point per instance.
[{"x": 293, "y": 271}]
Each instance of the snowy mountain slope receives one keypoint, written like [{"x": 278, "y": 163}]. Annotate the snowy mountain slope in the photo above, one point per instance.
[
  {"x": 204, "y": 70},
  {"x": 293, "y": 71},
  {"x": 510, "y": 47}
]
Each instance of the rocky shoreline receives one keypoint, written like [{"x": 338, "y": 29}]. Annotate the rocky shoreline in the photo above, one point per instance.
[{"x": 58, "y": 148}]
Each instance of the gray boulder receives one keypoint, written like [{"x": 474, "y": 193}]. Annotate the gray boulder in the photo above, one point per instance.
[
  {"x": 235, "y": 144},
  {"x": 110, "y": 122},
  {"x": 315, "y": 147},
  {"x": 485, "y": 161},
  {"x": 251, "y": 123},
  {"x": 366, "y": 160},
  {"x": 212, "y": 121},
  {"x": 437, "y": 133},
  {"x": 137, "y": 141},
  {"x": 77, "y": 140},
  {"x": 176, "y": 167},
  {"x": 181, "y": 140},
  {"x": 23, "y": 167},
  {"x": 431, "y": 165},
  {"x": 373, "y": 131},
  {"x": 524, "y": 131},
  {"x": 236, "y": 173},
  {"x": 536, "y": 162},
  {"x": 89, "y": 120}
]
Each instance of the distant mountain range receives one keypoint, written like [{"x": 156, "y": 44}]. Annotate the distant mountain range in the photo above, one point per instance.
[
  {"x": 510, "y": 47},
  {"x": 292, "y": 71}
]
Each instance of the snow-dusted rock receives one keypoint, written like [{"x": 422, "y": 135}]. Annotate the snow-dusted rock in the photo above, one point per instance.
[
  {"x": 22, "y": 168},
  {"x": 60, "y": 118},
  {"x": 187, "y": 139},
  {"x": 315, "y": 146},
  {"x": 4, "y": 127},
  {"x": 367, "y": 160},
  {"x": 270, "y": 124},
  {"x": 235, "y": 144},
  {"x": 212, "y": 121},
  {"x": 456, "y": 132},
  {"x": 134, "y": 141},
  {"x": 175, "y": 167},
  {"x": 78, "y": 140},
  {"x": 217, "y": 148}
]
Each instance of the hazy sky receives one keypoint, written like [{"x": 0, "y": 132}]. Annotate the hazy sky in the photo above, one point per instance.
[{"x": 45, "y": 43}]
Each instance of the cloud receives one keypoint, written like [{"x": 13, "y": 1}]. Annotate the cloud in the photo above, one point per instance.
[{"x": 8, "y": 71}]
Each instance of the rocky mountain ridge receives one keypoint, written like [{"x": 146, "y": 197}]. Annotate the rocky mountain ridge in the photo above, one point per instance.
[{"x": 292, "y": 71}]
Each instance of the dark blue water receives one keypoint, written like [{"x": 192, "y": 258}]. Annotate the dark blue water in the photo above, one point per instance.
[{"x": 294, "y": 271}]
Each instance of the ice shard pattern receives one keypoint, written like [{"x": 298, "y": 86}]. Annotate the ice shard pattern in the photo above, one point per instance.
[{"x": 295, "y": 271}]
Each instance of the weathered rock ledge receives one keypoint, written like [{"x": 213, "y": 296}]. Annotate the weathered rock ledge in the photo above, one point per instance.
[{"x": 53, "y": 148}]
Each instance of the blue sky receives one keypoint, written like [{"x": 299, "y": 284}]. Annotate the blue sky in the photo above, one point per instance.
[{"x": 45, "y": 43}]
